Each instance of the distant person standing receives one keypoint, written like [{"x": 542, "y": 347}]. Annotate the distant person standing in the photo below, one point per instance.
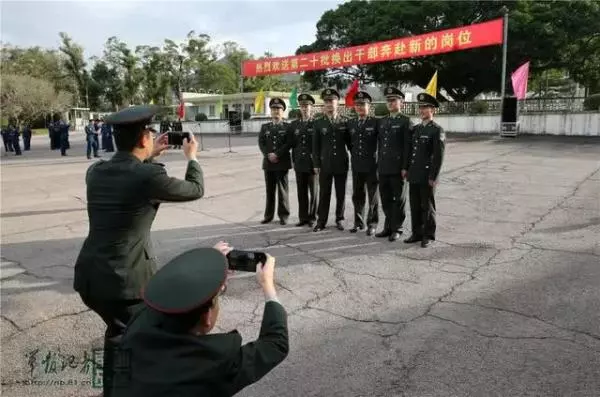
[
  {"x": 302, "y": 131},
  {"x": 91, "y": 139},
  {"x": 428, "y": 139},
  {"x": 8, "y": 146},
  {"x": 13, "y": 136},
  {"x": 26, "y": 137},
  {"x": 275, "y": 143},
  {"x": 107, "y": 137}
]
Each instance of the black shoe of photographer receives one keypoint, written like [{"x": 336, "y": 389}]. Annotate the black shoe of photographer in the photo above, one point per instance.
[
  {"x": 339, "y": 225},
  {"x": 357, "y": 229},
  {"x": 318, "y": 228},
  {"x": 301, "y": 223},
  {"x": 413, "y": 239},
  {"x": 265, "y": 221},
  {"x": 425, "y": 243},
  {"x": 370, "y": 231},
  {"x": 383, "y": 233},
  {"x": 395, "y": 236},
  {"x": 283, "y": 221}
]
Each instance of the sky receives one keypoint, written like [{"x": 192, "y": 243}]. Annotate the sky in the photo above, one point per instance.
[{"x": 279, "y": 27}]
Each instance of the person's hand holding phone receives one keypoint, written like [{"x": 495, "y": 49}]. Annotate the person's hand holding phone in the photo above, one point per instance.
[
  {"x": 265, "y": 276},
  {"x": 161, "y": 143},
  {"x": 190, "y": 147}
]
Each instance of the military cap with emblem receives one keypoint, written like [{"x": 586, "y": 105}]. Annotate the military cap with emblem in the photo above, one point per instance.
[
  {"x": 187, "y": 282},
  {"x": 425, "y": 99},
  {"x": 362, "y": 97},
  {"x": 141, "y": 114},
  {"x": 306, "y": 98},
  {"x": 277, "y": 103},
  {"x": 393, "y": 92},
  {"x": 329, "y": 93}
]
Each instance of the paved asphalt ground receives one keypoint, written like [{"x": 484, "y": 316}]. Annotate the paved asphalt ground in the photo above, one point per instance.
[{"x": 505, "y": 303}]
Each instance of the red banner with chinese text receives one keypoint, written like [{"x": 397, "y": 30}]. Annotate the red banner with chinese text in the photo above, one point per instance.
[{"x": 456, "y": 39}]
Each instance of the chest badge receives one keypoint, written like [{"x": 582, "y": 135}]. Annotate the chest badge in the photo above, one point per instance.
[
  {"x": 297, "y": 132},
  {"x": 323, "y": 130}
]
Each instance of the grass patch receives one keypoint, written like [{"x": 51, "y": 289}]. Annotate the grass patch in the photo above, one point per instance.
[{"x": 40, "y": 131}]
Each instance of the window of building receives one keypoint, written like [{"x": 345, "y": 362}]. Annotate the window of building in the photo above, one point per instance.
[{"x": 211, "y": 111}]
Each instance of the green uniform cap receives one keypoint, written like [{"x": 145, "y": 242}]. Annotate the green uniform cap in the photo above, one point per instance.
[
  {"x": 277, "y": 103},
  {"x": 330, "y": 93},
  {"x": 393, "y": 92},
  {"x": 187, "y": 282},
  {"x": 427, "y": 100},
  {"x": 362, "y": 97},
  {"x": 306, "y": 98},
  {"x": 142, "y": 114}
]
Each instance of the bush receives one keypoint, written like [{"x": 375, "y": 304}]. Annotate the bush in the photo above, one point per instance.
[
  {"x": 381, "y": 109},
  {"x": 247, "y": 115},
  {"x": 479, "y": 107},
  {"x": 294, "y": 114},
  {"x": 592, "y": 102},
  {"x": 201, "y": 117}
]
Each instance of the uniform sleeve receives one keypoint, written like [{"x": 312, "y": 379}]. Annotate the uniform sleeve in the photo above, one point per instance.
[
  {"x": 257, "y": 358},
  {"x": 165, "y": 188},
  {"x": 287, "y": 145},
  {"x": 347, "y": 136},
  {"x": 262, "y": 140},
  {"x": 407, "y": 143},
  {"x": 316, "y": 140},
  {"x": 439, "y": 144}
]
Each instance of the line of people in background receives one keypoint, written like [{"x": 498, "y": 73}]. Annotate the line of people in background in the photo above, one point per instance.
[
  {"x": 387, "y": 155},
  {"x": 99, "y": 136},
  {"x": 11, "y": 135}
]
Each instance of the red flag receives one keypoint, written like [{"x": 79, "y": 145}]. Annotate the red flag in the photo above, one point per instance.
[
  {"x": 181, "y": 107},
  {"x": 519, "y": 80},
  {"x": 350, "y": 94}
]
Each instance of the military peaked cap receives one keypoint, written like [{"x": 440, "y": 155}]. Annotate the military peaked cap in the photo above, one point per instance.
[
  {"x": 329, "y": 93},
  {"x": 277, "y": 103},
  {"x": 362, "y": 97},
  {"x": 306, "y": 98},
  {"x": 427, "y": 100},
  {"x": 133, "y": 115},
  {"x": 187, "y": 282},
  {"x": 393, "y": 92}
]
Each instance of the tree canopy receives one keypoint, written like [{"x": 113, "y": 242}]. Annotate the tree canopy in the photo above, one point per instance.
[{"x": 551, "y": 34}]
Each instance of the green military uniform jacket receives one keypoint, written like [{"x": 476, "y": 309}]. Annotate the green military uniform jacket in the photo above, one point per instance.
[
  {"x": 330, "y": 142},
  {"x": 123, "y": 196},
  {"x": 275, "y": 138},
  {"x": 168, "y": 363},
  {"x": 363, "y": 144},
  {"x": 427, "y": 154},
  {"x": 302, "y": 132},
  {"x": 393, "y": 138}
]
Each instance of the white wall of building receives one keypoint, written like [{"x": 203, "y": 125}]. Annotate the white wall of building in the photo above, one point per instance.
[{"x": 575, "y": 124}]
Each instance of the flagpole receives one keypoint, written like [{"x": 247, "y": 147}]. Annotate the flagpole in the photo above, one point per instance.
[{"x": 504, "y": 9}]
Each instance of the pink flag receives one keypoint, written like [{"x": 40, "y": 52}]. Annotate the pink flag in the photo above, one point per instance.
[{"x": 519, "y": 80}]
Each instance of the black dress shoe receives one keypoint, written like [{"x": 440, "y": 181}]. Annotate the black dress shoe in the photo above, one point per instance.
[
  {"x": 310, "y": 223},
  {"x": 356, "y": 229},
  {"x": 370, "y": 231},
  {"x": 265, "y": 221},
  {"x": 384, "y": 233},
  {"x": 339, "y": 225},
  {"x": 425, "y": 243},
  {"x": 318, "y": 228},
  {"x": 283, "y": 221},
  {"x": 413, "y": 239},
  {"x": 394, "y": 236},
  {"x": 301, "y": 223}
]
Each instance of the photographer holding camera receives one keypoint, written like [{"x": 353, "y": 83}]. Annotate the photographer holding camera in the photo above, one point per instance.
[
  {"x": 167, "y": 349},
  {"x": 123, "y": 196}
]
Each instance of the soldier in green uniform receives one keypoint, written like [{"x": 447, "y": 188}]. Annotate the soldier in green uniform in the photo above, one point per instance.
[
  {"x": 428, "y": 142},
  {"x": 302, "y": 131},
  {"x": 123, "y": 196},
  {"x": 275, "y": 143},
  {"x": 168, "y": 344},
  {"x": 330, "y": 156},
  {"x": 393, "y": 137},
  {"x": 363, "y": 153}
]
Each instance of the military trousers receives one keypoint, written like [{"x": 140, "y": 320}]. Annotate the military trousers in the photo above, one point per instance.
[
  {"x": 325, "y": 181},
  {"x": 26, "y": 141},
  {"x": 92, "y": 145},
  {"x": 16, "y": 145},
  {"x": 116, "y": 314},
  {"x": 422, "y": 210},
  {"x": 8, "y": 144},
  {"x": 360, "y": 181},
  {"x": 276, "y": 183},
  {"x": 392, "y": 190},
  {"x": 308, "y": 192}
]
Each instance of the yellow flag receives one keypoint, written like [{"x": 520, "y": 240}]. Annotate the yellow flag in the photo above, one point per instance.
[
  {"x": 259, "y": 102},
  {"x": 432, "y": 86},
  {"x": 151, "y": 101}
]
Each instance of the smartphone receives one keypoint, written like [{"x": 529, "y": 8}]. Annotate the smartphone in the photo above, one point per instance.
[
  {"x": 245, "y": 261},
  {"x": 176, "y": 138}
]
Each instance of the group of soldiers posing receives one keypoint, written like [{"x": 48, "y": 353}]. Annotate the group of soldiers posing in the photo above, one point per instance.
[{"x": 387, "y": 154}]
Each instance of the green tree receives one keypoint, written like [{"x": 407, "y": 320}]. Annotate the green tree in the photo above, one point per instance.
[
  {"x": 551, "y": 34},
  {"x": 75, "y": 65}
]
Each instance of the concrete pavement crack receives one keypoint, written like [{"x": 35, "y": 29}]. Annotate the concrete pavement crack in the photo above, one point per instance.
[
  {"x": 25, "y": 272},
  {"x": 34, "y": 325},
  {"x": 11, "y": 322},
  {"x": 529, "y": 316},
  {"x": 357, "y": 320}
]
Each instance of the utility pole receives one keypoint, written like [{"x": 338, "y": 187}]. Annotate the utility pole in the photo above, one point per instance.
[{"x": 504, "y": 10}]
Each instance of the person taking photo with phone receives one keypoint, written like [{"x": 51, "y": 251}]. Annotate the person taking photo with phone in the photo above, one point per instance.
[
  {"x": 169, "y": 347},
  {"x": 123, "y": 196}
]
